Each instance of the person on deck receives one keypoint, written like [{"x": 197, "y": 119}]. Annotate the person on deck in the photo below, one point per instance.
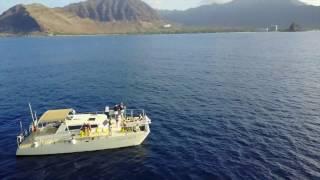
[
  {"x": 110, "y": 128},
  {"x": 121, "y": 109},
  {"x": 107, "y": 111},
  {"x": 116, "y": 113}
]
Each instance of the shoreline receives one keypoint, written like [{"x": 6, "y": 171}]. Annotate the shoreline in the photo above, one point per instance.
[{"x": 8, "y": 35}]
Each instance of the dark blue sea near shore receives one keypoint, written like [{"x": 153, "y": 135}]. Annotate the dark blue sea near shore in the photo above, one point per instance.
[{"x": 223, "y": 106}]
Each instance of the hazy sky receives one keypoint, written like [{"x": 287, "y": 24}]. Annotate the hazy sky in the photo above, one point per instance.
[{"x": 160, "y": 4}]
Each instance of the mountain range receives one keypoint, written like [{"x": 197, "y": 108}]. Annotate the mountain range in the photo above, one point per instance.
[
  {"x": 88, "y": 17},
  {"x": 248, "y": 14},
  {"x": 135, "y": 16}
]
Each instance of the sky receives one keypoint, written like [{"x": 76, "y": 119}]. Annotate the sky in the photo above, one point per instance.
[{"x": 158, "y": 4}]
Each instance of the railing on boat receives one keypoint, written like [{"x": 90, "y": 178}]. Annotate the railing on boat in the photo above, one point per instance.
[
  {"x": 130, "y": 112},
  {"x": 128, "y": 115}
]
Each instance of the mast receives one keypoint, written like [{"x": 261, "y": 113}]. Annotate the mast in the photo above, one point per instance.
[
  {"x": 21, "y": 130},
  {"x": 31, "y": 112}
]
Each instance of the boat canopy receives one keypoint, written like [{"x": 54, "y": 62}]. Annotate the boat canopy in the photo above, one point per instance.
[{"x": 58, "y": 115}]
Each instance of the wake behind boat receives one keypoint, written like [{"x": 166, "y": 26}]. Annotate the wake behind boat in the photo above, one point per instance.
[{"x": 65, "y": 131}]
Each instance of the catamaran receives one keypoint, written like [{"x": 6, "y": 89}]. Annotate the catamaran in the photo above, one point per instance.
[{"x": 66, "y": 131}]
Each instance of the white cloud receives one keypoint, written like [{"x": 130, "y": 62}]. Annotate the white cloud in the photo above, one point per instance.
[
  {"x": 203, "y": 2},
  {"x": 154, "y": 3},
  {"x": 312, "y": 2},
  {"x": 6, "y": 4}
]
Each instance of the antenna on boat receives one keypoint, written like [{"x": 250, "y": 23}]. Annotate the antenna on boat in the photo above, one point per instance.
[
  {"x": 21, "y": 130},
  {"x": 36, "y": 117},
  {"x": 31, "y": 112}
]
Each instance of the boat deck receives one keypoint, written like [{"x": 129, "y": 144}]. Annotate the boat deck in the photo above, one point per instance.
[{"x": 51, "y": 135}]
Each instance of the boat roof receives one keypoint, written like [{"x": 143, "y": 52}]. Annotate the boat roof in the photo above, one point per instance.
[{"x": 57, "y": 115}]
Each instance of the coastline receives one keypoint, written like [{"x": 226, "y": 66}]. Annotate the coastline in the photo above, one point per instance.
[{"x": 39, "y": 34}]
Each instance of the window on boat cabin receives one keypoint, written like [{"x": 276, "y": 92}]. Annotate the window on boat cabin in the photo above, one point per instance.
[
  {"x": 42, "y": 124},
  {"x": 94, "y": 126},
  {"x": 78, "y": 127},
  {"x": 92, "y": 119},
  {"x": 52, "y": 124},
  {"x": 75, "y": 127},
  {"x": 142, "y": 128}
]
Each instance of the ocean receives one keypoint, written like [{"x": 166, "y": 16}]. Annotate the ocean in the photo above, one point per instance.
[{"x": 223, "y": 106}]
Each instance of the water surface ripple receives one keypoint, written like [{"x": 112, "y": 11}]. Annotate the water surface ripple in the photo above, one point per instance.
[{"x": 224, "y": 106}]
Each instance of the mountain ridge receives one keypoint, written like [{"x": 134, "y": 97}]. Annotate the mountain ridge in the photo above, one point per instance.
[
  {"x": 248, "y": 13},
  {"x": 135, "y": 16},
  {"x": 113, "y": 10},
  {"x": 37, "y": 18}
]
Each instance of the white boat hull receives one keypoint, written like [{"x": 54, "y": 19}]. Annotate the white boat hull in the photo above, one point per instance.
[{"x": 84, "y": 145}]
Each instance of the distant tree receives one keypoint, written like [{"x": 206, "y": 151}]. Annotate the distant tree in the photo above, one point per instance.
[{"x": 294, "y": 27}]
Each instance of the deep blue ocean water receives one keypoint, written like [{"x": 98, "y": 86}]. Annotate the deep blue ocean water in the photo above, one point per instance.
[{"x": 223, "y": 106}]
